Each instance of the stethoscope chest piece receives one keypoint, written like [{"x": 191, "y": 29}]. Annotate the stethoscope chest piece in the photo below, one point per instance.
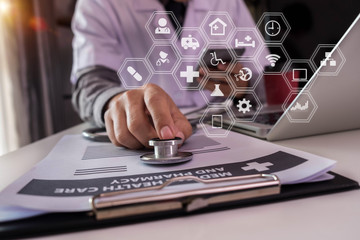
[{"x": 166, "y": 152}]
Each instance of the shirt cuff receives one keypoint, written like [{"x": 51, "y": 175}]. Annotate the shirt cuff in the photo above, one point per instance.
[{"x": 101, "y": 101}]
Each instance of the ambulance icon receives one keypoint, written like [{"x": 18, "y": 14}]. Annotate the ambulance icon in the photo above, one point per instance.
[{"x": 189, "y": 42}]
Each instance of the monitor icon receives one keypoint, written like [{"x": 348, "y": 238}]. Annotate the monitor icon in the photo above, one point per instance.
[{"x": 299, "y": 75}]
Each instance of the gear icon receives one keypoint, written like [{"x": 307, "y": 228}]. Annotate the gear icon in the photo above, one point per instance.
[{"x": 244, "y": 105}]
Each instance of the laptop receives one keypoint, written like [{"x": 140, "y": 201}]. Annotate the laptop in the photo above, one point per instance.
[{"x": 329, "y": 102}]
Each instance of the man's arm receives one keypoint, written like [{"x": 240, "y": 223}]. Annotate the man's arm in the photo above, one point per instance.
[
  {"x": 134, "y": 117},
  {"x": 131, "y": 117},
  {"x": 94, "y": 88},
  {"x": 97, "y": 53}
]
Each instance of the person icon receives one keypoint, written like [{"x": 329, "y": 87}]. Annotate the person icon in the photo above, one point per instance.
[{"x": 162, "y": 29}]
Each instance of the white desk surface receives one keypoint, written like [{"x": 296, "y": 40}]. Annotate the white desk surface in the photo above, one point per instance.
[{"x": 333, "y": 216}]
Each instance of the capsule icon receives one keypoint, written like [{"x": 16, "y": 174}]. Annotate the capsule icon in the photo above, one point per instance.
[{"x": 134, "y": 73}]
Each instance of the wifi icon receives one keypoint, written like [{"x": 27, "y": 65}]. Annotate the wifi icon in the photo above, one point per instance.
[{"x": 272, "y": 58}]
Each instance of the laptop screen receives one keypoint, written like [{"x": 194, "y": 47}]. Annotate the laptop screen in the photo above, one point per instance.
[{"x": 314, "y": 22}]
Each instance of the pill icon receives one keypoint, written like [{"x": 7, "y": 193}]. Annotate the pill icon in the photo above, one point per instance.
[{"x": 133, "y": 73}]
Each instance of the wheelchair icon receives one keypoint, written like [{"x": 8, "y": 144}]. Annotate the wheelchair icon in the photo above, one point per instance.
[{"x": 215, "y": 60}]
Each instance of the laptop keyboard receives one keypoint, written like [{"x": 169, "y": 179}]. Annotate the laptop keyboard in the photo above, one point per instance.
[{"x": 268, "y": 118}]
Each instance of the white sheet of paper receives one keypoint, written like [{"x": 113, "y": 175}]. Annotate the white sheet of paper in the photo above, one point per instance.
[{"x": 77, "y": 169}]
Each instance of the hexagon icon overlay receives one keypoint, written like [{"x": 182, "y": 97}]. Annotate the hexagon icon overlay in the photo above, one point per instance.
[
  {"x": 247, "y": 74},
  {"x": 217, "y": 121},
  {"x": 246, "y": 106},
  {"x": 330, "y": 59},
  {"x": 217, "y": 26},
  {"x": 187, "y": 74},
  {"x": 190, "y": 43},
  {"x": 302, "y": 109},
  {"x": 134, "y": 73},
  {"x": 247, "y": 39},
  {"x": 274, "y": 27},
  {"x": 160, "y": 27},
  {"x": 162, "y": 58},
  {"x": 276, "y": 60},
  {"x": 221, "y": 89},
  {"x": 217, "y": 56},
  {"x": 298, "y": 72}
]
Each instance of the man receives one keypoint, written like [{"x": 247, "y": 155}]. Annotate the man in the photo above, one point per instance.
[{"x": 107, "y": 32}]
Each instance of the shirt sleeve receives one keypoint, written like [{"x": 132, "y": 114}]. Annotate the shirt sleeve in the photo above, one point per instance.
[
  {"x": 96, "y": 37},
  {"x": 93, "y": 90},
  {"x": 97, "y": 52}
]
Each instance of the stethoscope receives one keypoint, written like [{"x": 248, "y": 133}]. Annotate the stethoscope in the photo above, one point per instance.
[{"x": 165, "y": 150}]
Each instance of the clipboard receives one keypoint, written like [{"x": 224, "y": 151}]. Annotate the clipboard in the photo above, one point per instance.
[
  {"x": 109, "y": 211},
  {"x": 106, "y": 206}
]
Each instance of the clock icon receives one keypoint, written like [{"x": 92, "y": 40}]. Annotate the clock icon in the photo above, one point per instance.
[{"x": 272, "y": 28}]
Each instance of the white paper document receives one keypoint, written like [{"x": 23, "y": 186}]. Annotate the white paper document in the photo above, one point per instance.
[{"x": 77, "y": 169}]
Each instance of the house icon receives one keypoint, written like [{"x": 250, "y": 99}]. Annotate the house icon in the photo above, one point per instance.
[{"x": 217, "y": 27}]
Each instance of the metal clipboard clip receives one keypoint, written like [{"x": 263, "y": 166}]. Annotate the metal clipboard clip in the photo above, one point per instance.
[{"x": 217, "y": 191}]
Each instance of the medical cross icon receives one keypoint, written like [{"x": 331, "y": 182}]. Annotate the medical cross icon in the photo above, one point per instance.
[
  {"x": 247, "y": 38},
  {"x": 260, "y": 167},
  {"x": 189, "y": 74}
]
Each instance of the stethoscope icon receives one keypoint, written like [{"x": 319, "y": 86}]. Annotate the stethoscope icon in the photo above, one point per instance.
[{"x": 163, "y": 59}]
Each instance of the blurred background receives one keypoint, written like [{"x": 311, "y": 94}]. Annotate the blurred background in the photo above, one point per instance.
[{"x": 36, "y": 57}]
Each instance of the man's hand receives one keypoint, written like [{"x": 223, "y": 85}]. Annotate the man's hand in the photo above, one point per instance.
[
  {"x": 135, "y": 116},
  {"x": 224, "y": 86}
]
